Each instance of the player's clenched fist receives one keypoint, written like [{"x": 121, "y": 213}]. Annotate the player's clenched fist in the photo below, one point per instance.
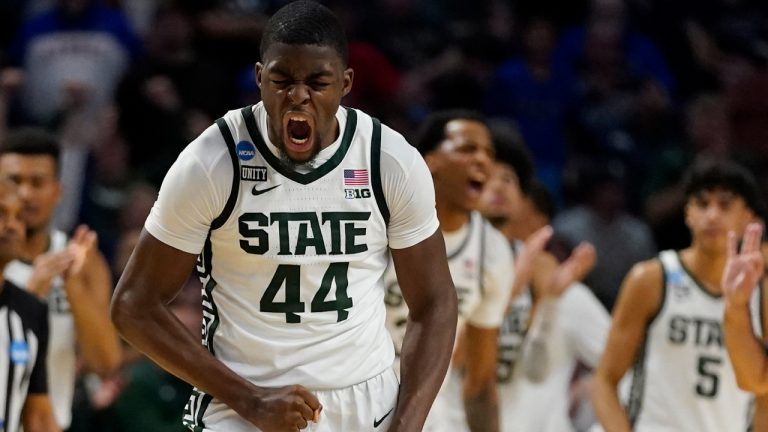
[{"x": 281, "y": 409}]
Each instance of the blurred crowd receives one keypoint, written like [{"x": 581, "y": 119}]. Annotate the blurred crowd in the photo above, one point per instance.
[{"x": 613, "y": 99}]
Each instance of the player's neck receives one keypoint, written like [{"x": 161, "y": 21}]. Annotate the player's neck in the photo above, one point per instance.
[
  {"x": 36, "y": 243},
  {"x": 706, "y": 265},
  {"x": 511, "y": 230},
  {"x": 451, "y": 219}
]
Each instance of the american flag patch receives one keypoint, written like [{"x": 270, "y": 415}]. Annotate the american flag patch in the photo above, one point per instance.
[{"x": 355, "y": 177}]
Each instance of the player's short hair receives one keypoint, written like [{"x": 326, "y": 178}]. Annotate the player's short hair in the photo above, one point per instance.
[
  {"x": 432, "y": 131},
  {"x": 31, "y": 141},
  {"x": 542, "y": 199},
  {"x": 513, "y": 153},
  {"x": 305, "y": 22},
  {"x": 707, "y": 175}
]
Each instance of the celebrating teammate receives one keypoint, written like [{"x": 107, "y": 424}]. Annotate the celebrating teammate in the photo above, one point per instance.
[
  {"x": 553, "y": 322},
  {"x": 458, "y": 149},
  {"x": 668, "y": 322}
]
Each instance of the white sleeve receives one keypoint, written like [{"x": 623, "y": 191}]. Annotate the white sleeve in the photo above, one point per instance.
[
  {"x": 497, "y": 281},
  {"x": 408, "y": 190},
  {"x": 585, "y": 322},
  {"x": 193, "y": 193}
]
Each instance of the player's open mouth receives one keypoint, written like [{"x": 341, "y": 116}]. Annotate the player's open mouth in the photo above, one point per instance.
[
  {"x": 476, "y": 185},
  {"x": 476, "y": 181},
  {"x": 297, "y": 132}
]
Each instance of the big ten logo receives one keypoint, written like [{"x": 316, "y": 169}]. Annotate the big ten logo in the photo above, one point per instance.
[{"x": 357, "y": 193}]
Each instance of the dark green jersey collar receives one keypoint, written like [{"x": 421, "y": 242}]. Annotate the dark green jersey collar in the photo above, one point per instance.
[{"x": 277, "y": 165}]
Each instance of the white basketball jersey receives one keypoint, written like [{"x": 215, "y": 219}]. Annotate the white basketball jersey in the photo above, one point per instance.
[
  {"x": 683, "y": 380},
  {"x": 61, "y": 339},
  {"x": 293, "y": 269},
  {"x": 480, "y": 263},
  {"x": 513, "y": 330},
  {"x": 465, "y": 250}
]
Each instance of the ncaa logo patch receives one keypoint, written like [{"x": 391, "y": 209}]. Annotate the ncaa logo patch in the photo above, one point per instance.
[
  {"x": 245, "y": 150},
  {"x": 19, "y": 352}
]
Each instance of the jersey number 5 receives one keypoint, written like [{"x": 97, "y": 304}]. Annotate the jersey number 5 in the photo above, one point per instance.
[
  {"x": 290, "y": 275},
  {"x": 709, "y": 379}
]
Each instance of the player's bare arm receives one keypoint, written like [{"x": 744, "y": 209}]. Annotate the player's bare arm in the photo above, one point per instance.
[
  {"x": 480, "y": 397},
  {"x": 760, "y": 418},
  {"x": 426, "y": 285},
  {"x": 742, "y": 273},
  {"x": 153, "y": 276},
  {"x": 38, "y": 414},
  {"x": 638, "y": 302},
  {"x": 88, "y": 284}
]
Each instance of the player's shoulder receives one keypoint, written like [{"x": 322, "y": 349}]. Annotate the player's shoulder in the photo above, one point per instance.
[
  {"x": 209, "y": 150},
  {"x": 642, "y": 290},
  {"x": 649, "y": 272}
]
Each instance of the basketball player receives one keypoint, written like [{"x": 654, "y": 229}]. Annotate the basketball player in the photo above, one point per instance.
[
  {"x": 458, "y": 149},
  {"x": 742, "y": 272},
  {"x": 78, "y": 302},
  {"x": 24, "y": 399},
  {"x": 668, "y": 322},
  {"x": 554, "y": 322},
  {"x": 290, "y": 208}
]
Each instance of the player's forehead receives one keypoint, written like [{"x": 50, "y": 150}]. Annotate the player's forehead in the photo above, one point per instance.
[
  {"x": 292, "y": 59},
  {"x": 33, "y": 165},
  {"x": 468, "y": 131}
]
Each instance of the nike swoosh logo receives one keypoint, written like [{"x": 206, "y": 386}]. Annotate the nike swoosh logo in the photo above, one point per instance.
[
  {"x": 376, "y": 423},
  {"x": 261, "y": 191}
]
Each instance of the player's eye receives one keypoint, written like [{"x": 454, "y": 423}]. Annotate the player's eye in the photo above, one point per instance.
[{"x": 316, "y": 85}]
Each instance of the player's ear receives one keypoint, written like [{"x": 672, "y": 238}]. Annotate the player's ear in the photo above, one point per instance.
[
  {"x": 349, "y": 76},
  {"x": 259, "y": 68}
]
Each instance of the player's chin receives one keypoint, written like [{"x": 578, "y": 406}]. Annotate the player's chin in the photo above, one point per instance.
[
  {"x": 303, "y": 156},
  {"x": 9, "y": 249}
]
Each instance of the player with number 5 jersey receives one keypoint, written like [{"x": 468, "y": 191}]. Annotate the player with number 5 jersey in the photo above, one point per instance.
[
  {"x": 290, "y": 209},
  {"x": 668, "y": 323}
]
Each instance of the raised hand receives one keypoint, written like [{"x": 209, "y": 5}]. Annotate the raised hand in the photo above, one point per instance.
[
  {"x": 744, "y": 267},
  {"x": 281, "y": 409},
  {"x": 83, "y": 241},
  {"x": 525, "y": 262},
  {"x": 45, "y": 268},
  {"x": 573, "y": 269}
]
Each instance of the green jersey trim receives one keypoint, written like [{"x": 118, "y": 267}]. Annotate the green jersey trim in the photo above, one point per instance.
[
  {"x": 700, "y": 285},
  {"x": 232, "y": 199},
  {"x": 378, "y": 190},
  {"x": 464, "y": 241}
]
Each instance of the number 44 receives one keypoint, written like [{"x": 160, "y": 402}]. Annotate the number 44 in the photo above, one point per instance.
[{"x": 291, "y": 276}]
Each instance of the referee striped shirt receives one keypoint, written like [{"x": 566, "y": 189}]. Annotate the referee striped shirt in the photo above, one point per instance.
[{"x": 23, "y": 349}]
